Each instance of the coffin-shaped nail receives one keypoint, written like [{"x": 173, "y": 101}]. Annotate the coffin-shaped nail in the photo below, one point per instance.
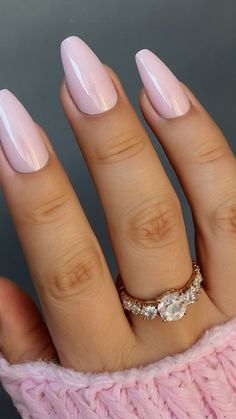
[
  {"x": 87, "y": 79},
  {"x": 19, "y": 136},
  {"x": 163, "y": 89}
]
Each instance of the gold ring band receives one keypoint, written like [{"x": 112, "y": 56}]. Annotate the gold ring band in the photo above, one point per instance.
[{"x": 170, "y": 305}]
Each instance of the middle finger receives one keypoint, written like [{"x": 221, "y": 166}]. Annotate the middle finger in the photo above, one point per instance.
[{"x": 72, "y": 279}]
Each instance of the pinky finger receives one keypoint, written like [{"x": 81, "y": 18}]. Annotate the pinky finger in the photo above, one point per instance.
[{"x": 23, "y": 334}]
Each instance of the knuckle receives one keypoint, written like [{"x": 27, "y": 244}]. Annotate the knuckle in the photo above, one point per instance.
[
  {"x": 51, "y": 210},
  {"x": 208, "y": 152},
  {"x": 75, "y": 274},
  {"x": 156, "y": 223},
  {"x": 119, "y": 147},
  {"x": 224, "y": 217}
]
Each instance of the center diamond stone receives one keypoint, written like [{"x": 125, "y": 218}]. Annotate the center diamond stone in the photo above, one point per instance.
[{"x": 172, "y": 307}]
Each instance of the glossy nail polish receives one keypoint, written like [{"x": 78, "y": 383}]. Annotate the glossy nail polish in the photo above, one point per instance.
[
  {"x": 163, "y": 89},
  {"x": 19, "y": 136},
  {"x": 87, "y": 79}
]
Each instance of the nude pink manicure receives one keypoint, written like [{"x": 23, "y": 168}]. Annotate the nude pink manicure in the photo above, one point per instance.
[
  {"x": 162, "y": 87},
  {"x": 19, "y": 136},
  {"x": 88, "y": 81}
]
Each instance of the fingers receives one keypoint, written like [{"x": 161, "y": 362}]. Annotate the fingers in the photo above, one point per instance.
[
  {"x": 142, "y": 210},
  {"x": 206, "y": 168},
  {"x": 72, "y": 279},
  {"x": 23, "y": 335}
]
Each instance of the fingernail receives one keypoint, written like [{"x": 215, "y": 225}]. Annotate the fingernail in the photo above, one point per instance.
[
  {"x": 88, "y": 82},
  {"x": 163, "y": 89},
  {"x": 19, "y": 135}
]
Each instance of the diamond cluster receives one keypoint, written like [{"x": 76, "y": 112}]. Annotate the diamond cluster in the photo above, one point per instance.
[
  {"x": 146, "y": 310},
  {"x": 171, "y": 306}
]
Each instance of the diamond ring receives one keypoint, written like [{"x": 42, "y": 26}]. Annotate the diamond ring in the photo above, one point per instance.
[{"x": 170, "y": 305}]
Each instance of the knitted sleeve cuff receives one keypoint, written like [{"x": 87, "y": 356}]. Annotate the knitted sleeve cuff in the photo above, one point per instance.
[{"x": 197, "y": 383}]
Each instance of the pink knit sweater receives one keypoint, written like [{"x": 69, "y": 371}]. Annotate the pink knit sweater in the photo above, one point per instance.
[{"x": 197, "y": 383}]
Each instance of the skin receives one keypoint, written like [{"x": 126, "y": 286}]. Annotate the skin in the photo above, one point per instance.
[{"x": 85, "y": 326}]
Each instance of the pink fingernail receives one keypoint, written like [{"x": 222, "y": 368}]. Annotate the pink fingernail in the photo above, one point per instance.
[
  {"x": 20, "y": 138},
  {"x": 88, "y": 82},
  {"x": 162, "y": 87}
]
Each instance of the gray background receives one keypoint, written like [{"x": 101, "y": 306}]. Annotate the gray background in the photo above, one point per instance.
[{"x": 197, "y": 39}]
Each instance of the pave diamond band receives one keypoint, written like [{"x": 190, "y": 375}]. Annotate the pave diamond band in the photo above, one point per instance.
[{"x": 170, "y": 305}]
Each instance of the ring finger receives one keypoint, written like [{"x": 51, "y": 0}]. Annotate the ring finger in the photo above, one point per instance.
[{"x": 143, "y": 212}]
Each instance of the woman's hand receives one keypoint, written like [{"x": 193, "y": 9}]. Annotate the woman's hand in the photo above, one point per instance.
[{"x": 86, "y": 327}]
